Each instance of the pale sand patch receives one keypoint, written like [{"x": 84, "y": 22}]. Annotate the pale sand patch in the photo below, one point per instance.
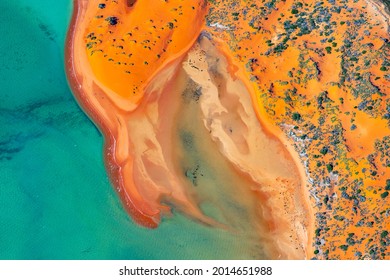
[
  {"x": 378, "y": 9},
  {"x": 232, "y": 123}
]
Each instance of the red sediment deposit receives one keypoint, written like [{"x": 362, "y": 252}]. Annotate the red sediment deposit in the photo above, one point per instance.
[{"x": 280, "y": 106}]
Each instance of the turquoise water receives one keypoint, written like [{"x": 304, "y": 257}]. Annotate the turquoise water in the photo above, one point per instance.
[{"x": 56, "y": 201}]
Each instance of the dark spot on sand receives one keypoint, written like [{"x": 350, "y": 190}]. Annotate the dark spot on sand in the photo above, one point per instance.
[{"x": 112, "y": 20}]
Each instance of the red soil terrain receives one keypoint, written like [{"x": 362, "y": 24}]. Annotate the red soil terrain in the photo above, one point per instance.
[{"x": 287, "y": 100}]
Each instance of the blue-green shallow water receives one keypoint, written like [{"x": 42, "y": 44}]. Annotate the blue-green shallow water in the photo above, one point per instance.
[{"x": 55, "y": 199}]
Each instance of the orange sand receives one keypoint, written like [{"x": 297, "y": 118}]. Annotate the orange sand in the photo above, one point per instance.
[
  {"x": 124, "y": 65},
  {"x": 307, "y": 79}
]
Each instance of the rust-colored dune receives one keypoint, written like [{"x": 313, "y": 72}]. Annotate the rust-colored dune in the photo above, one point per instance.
[{"x": 279, "y": 108}]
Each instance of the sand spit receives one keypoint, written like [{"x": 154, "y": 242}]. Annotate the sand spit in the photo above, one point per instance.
[
  {"x": 110, "y": 110},
  {"x": 141, "y": 150}
]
